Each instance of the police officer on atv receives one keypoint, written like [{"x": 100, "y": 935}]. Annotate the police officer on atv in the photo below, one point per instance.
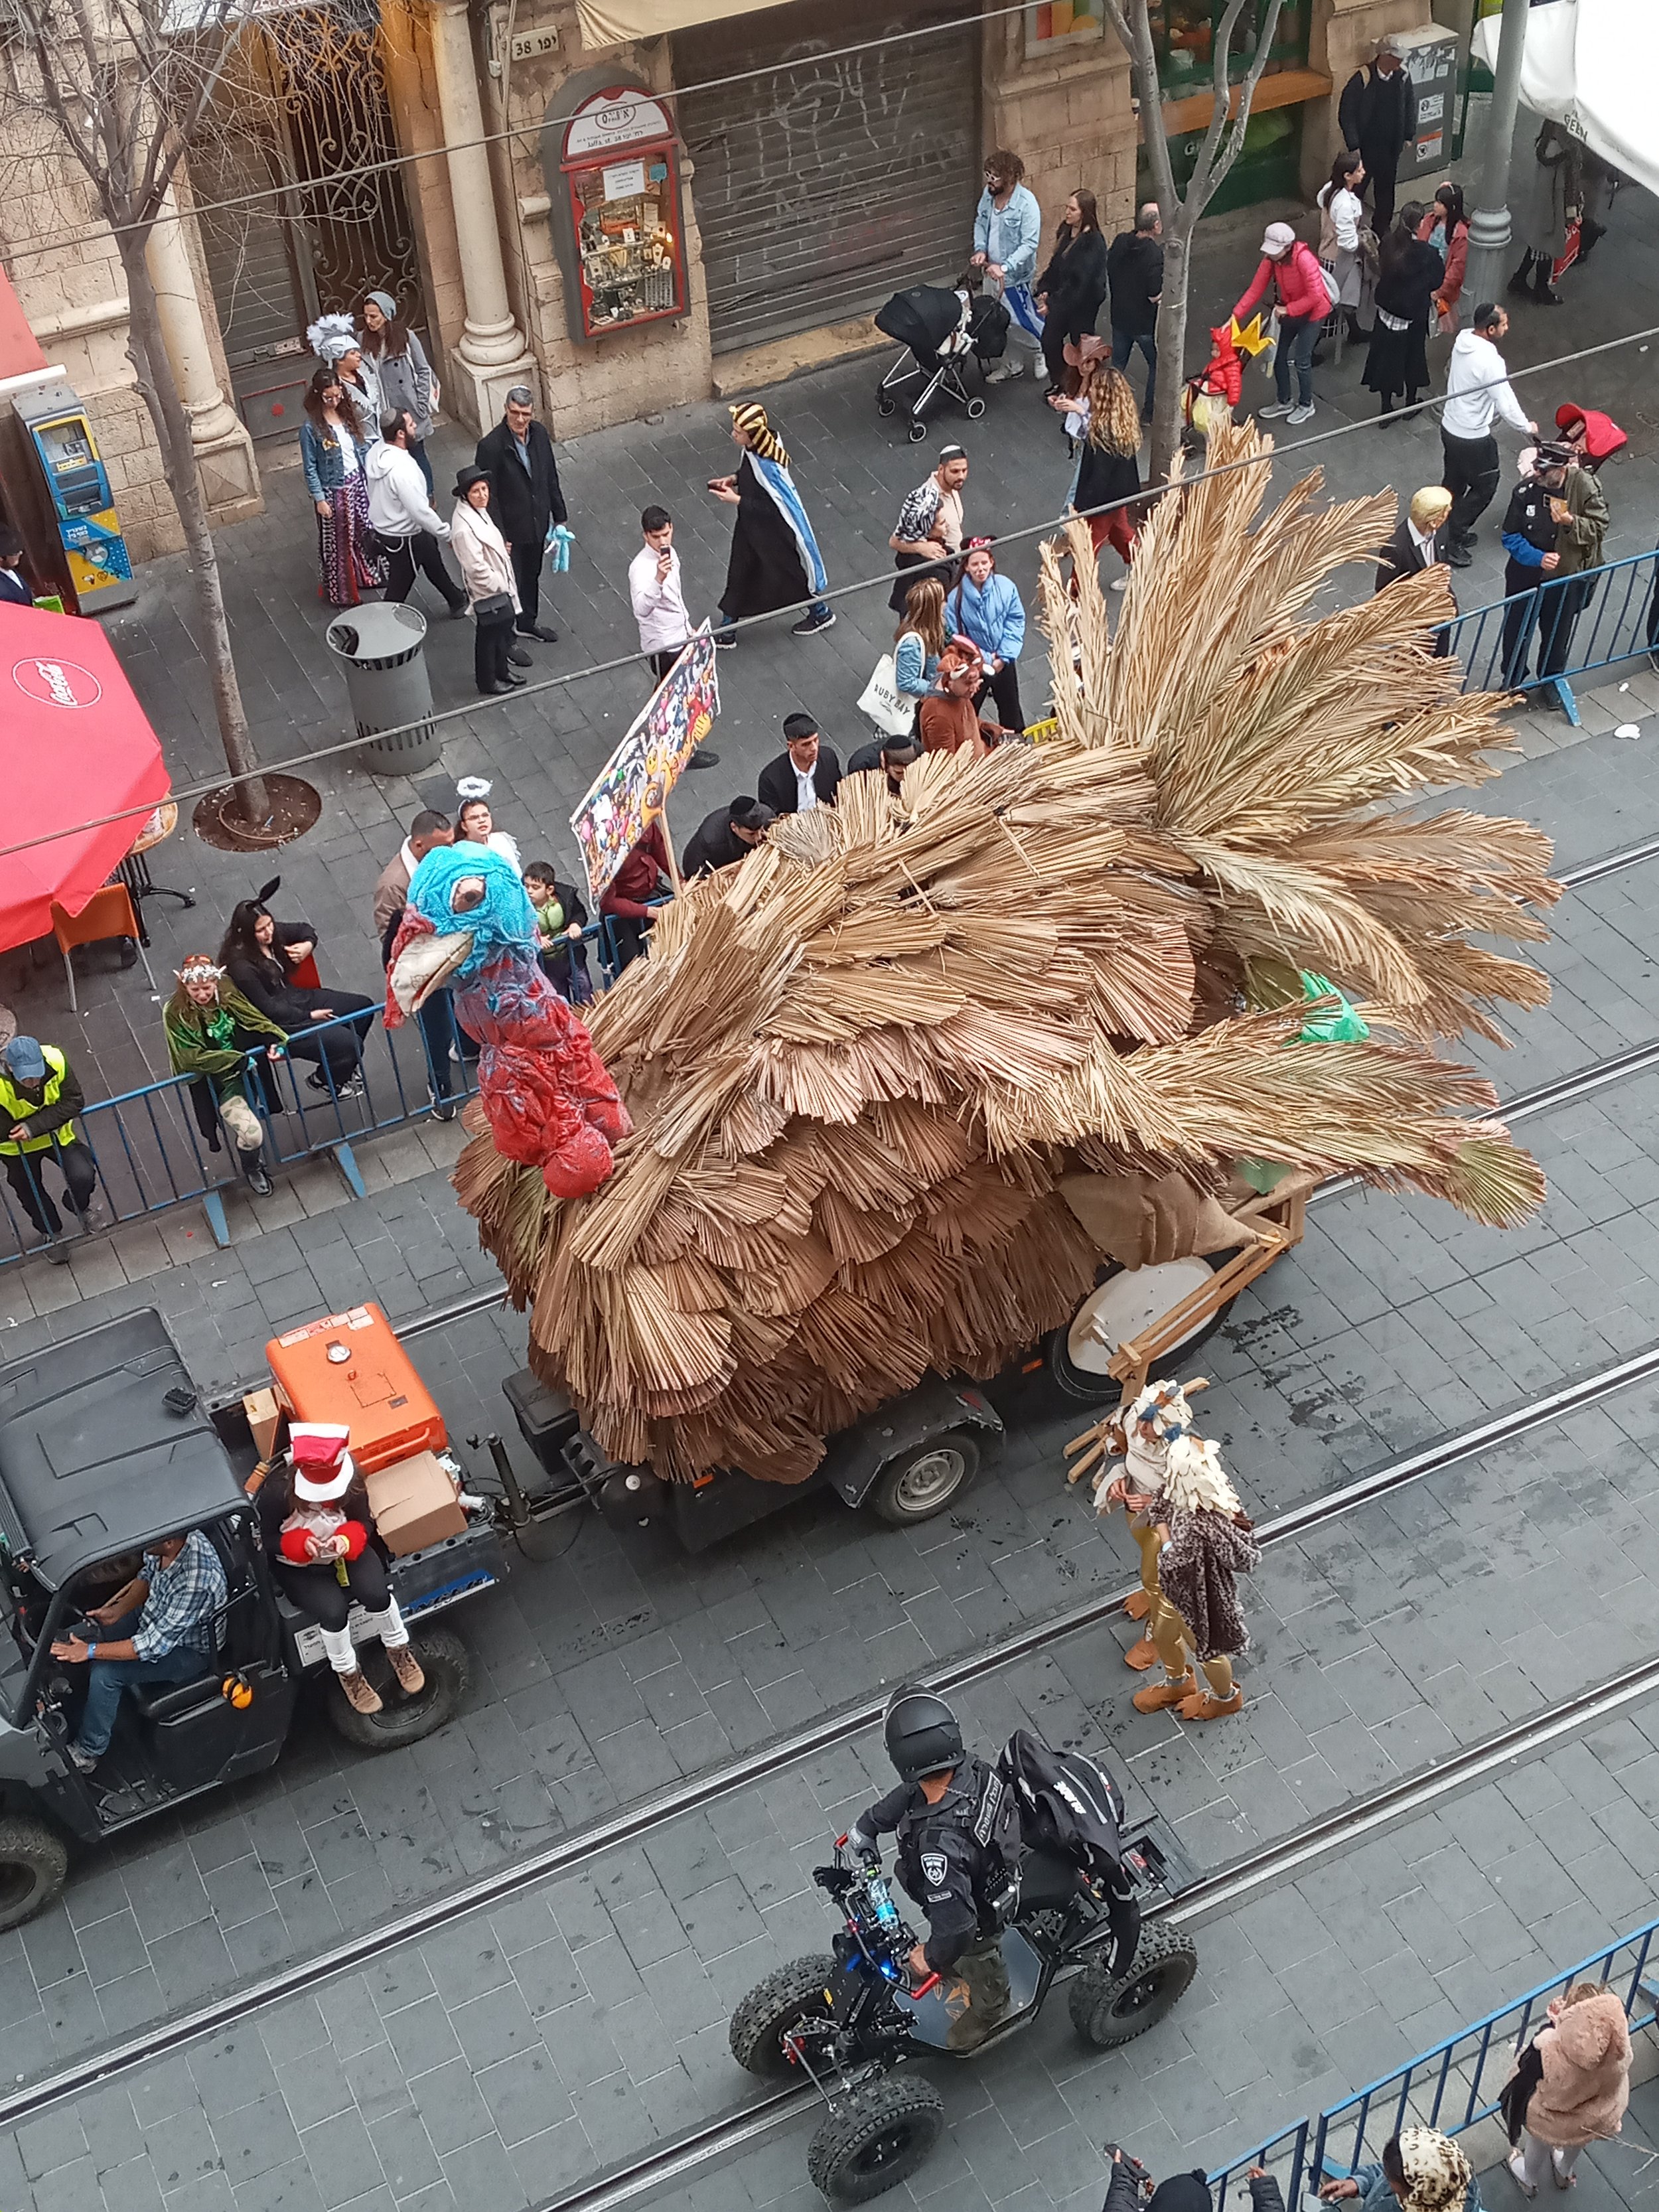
[{"x": 958, "y": 1841}]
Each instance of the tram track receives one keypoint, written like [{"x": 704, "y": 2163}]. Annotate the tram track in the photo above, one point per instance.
[
  {"x": 1230, "y": 1885},
  {"x": 697, "y": 1793}
]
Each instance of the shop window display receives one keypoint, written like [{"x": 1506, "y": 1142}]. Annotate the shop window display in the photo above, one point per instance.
[{"x": 1183, "y": 36}]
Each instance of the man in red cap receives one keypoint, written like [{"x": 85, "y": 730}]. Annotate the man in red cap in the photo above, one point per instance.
[{"x": 319, "y": 1529}]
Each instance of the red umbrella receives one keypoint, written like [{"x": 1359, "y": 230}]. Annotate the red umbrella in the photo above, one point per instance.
[{"x": 77, "y": 744}]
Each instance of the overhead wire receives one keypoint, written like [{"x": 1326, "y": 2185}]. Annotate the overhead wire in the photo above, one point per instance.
[
  {"x": 882, "y": 577},
  {"x": 300, "y": 185}
]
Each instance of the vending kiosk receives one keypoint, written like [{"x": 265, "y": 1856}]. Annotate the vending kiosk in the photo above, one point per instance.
[
  {"x": 59, "y": 435},
  {"x": 614, "y": 199}
]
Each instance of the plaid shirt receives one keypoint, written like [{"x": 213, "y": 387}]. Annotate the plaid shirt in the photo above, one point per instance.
[{"x": 182, "y": 1601}]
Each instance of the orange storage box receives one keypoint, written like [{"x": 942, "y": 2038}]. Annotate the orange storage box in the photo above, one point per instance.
[{"x": 350, "y": 1367}]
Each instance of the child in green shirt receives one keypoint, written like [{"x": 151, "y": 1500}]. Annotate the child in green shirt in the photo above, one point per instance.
[{"x": 559, "y": 916}]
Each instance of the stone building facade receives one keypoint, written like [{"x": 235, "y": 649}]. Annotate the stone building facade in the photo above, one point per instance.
[{"x": 759, "y": 236}]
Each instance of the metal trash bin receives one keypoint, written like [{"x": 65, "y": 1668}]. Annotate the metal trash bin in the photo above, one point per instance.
[{"x": 380, "y": 648}]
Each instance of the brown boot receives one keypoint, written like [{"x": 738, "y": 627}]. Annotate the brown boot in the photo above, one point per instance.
[
  {"x": 406, "y": 1667},
  {"x": 1141, "y": 1655},
  {"x": 1138, "y": 1605},
  {"x": 1158, "y": 1695},
  {"x": 1206, "y": 1706},
  {"x": 361, "y": 1692}
]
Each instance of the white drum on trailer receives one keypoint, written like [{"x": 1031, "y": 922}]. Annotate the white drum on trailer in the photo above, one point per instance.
[{"x": 1129, "y": 1303}]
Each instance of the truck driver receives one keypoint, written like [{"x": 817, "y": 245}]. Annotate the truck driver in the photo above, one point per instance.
[{"x": 160, "y": 1629}]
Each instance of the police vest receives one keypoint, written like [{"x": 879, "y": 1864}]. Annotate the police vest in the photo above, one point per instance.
[
  {"x": 981, "y": 1806},
  {"x": 13, "y": 1109}
]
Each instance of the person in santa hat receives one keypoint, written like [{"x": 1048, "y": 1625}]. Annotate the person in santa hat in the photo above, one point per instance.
[{"x": 318, "y": 1528}]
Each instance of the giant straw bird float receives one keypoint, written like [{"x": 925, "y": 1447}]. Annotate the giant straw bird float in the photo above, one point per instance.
[{"x": 882, "y": 1072}]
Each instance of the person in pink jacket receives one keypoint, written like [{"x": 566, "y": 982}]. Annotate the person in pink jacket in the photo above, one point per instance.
[
  {"x": 1293, "y": 270},
  {"x": 1582, "y": 2085}
]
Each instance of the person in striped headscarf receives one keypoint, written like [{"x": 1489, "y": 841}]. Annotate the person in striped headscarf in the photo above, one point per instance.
[{"x": 774, "y": 561}]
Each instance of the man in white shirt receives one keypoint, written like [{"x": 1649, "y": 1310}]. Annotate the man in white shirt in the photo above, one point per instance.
[
  {"x": 805, "y": 774},
  {"x": 653, "y": 585},
  {"x": 1477, "y": 391},
  {"x": 408, "y": 525}
]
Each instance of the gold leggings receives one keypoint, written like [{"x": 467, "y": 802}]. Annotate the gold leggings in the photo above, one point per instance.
[{"x": 1169, "y": 1633}]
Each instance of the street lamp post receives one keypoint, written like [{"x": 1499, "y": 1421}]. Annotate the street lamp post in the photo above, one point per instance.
[{"x": 1489, "y": 225}]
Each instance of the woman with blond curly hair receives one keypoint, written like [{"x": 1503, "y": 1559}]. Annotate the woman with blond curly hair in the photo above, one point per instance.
[{"x": 1109, "y": 469}]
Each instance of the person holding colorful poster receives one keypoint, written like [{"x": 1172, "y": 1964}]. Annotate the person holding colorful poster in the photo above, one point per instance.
[{"x": 775, "y": 562}]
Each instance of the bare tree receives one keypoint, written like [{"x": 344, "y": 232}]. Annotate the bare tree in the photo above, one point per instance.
[
  {"x": 1223, "y": 141},
  {"x": 126, "y": 86}
]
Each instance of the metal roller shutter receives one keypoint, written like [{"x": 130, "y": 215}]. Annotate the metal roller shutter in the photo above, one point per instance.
[{"x": 824, "y": 186}]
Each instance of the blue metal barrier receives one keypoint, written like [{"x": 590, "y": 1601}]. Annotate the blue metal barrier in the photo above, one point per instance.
[
  {"x": 147, "y": 1153},
  {"x": 1561, "y": 629},
  {"x": 1451, "y": 2087}
]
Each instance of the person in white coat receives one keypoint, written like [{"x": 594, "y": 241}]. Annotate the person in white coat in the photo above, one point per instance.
[
  {"x": 492, "y": 591},
  {"x": 409, "y": 528}
]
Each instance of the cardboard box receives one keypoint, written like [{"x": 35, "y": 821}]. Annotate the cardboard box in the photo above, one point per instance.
[
  {"x": 264, "y": 1419},
  {"x": 414, "y": 1503}
]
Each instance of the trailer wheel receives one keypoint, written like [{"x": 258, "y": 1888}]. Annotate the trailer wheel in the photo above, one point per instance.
[
  {"x": 876, "y": 2140},
  {"x": 447, "y": 1667},
  {"x": 1124, "y": 1303},
  {"x": 1109, "y": 2009},
  {"x": 922, "y": 1481},
  {"x": 33, "y": 1861}
]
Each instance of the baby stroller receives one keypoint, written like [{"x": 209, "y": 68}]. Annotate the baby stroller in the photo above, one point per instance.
[{"x": 939, "y": 329}]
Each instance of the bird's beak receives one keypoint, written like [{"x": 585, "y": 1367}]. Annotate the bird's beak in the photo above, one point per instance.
[{"x": 425, "y": 965}]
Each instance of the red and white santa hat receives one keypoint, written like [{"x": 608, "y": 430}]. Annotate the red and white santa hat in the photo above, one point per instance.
[{"x": 323, "y": 1467}]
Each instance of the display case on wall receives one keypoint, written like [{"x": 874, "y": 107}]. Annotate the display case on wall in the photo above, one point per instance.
[
  {"x": 613, "y": 188},
  {"x": 1183, "y": 37}
]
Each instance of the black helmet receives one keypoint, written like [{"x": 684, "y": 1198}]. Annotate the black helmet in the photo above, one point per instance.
[{"x": 923, "y": 1734}]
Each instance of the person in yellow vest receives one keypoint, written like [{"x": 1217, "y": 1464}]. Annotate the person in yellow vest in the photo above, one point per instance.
[{"x": 39, "y": 1097}]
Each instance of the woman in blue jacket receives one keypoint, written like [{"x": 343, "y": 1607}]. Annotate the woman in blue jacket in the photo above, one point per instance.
[
  {"x": 918, "y": 641},
  {"x": 986, "y": 607},
  {"x": 333, "y": 439},
  {"x": 1420, "y": 2171}
]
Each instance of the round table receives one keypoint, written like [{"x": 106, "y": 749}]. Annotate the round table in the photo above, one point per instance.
[{"x": 134, "y": 871}]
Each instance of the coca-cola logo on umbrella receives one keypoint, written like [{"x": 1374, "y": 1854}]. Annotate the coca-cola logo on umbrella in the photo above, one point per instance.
[{"x": 57, "y": 683}]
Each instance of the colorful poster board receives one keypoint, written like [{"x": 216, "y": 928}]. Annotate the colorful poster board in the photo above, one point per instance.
[{"x": 630, "y": 791}]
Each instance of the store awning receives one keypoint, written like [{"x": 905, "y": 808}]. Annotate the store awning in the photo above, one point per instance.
[
  {"x": 1593, "y": 65},
  {"x": 612, "y": 22},
  {"x": 77, "y": 744}
]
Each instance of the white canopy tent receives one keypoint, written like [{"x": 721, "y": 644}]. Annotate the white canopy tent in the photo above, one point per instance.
[{"x": 1593, "y": 65}]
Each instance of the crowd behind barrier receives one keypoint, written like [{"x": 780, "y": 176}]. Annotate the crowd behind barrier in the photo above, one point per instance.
[{"x": 1451, "y": 2087}]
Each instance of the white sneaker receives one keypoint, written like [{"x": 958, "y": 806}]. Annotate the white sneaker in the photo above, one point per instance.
[
  {"x": 1298, "y": 414},
  {"x": 1006, "y": 372},
  {"x": 1279, "y": 407},
  {"x": 1517, "y": 2163}
]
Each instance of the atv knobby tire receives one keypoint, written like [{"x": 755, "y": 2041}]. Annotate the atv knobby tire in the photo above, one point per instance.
[
  {"x": 879, "y": 2138},
  {"x": 1109, "y": 2009},
  {"x": 774, "y": 2006}
]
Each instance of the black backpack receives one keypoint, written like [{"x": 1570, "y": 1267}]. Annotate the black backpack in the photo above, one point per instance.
[{"x": 1069, "y": 1807}]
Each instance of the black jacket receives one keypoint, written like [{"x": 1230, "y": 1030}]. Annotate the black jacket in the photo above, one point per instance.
[
  {"x": 955, "y": 1858},
  {"x": 1134, "y": 271},
  {"x": 714, "y": 843},
  {"x": 1075, "y": 281},
  {"x": 268, "y": 983},
  {"x": 1377, "y": 115},
  {"x": 521, "y": 506},
  {"x": 1402, "y": 555},
  {"x": 1528, "y": 515},
  {"x": 777, "y": 789},
  {"x": 1407, "y": 281}
]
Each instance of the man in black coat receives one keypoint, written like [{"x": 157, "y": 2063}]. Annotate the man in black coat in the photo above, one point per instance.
[
  {"x": 1419, "y": 541},
  {"x": 525, "y": 498},
  {"x": 725, "y": 835},
  {"x": 805, "y": 765},
  {"x": 1377, "y": 116},
  {"x": 893, "y": 754}
]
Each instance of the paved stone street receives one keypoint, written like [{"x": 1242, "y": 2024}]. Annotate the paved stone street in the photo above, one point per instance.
[{"x": 521, "y": 2051}]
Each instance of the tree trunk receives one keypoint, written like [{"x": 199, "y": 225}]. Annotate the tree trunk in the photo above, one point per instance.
[
  {"x": 1171, "y": 355},
  {"x": 172, "y": 422}
]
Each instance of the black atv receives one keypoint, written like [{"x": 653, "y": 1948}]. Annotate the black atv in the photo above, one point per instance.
[{"x": 848, "y": 2019}]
